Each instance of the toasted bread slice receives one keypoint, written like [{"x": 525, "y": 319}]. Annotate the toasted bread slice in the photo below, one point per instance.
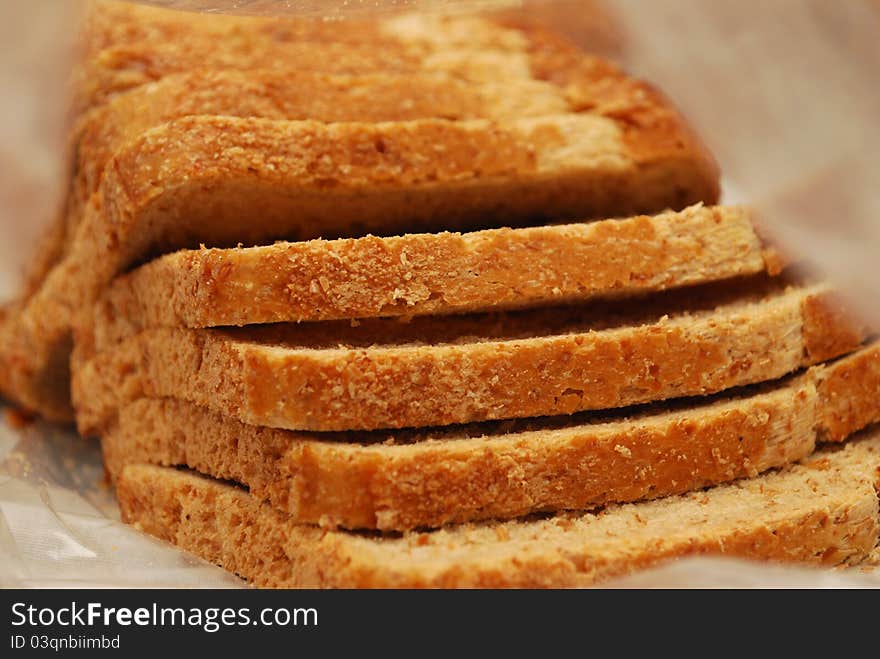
[
  {"x": 426, "y": 478},
  {"x": 439, "y": 371},
  {"x": 824, "y": 511},
  {"x": 434, "y": 273}
]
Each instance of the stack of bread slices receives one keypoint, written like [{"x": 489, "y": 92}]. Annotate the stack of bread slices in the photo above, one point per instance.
[{"x": 435, "y": 362}]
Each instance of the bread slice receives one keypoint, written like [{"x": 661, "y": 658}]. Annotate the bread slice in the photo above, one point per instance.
[
  {"x": 299, "y": 95},
  {"x": 234, "y": 43},
  {"x": 823, "y": 512},
  {"x": 120, "y": 52},
  {"x": 439, "y": 371},
  {"x": 434, "y": 273},
  {"x": 427, "y": 478}
]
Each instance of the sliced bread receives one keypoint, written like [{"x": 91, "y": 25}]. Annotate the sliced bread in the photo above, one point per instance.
[
  {"x": 824, "y": 511},
  {"x": 194, "y": 181},
  {"x": 435, "y": 273},
  {"x": 427, "y": 478},
  {"x": 226, "y": 180},
  {"x": 430, "y": 371}
]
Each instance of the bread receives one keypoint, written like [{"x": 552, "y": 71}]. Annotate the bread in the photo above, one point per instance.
[
  {"x": 192, "y": 181},
  {"x": 223, "y": 180},
  {"x": 122, "y": 49},
  {"x": 427, "y": 478},
  {"x": 439, "y": 371},
  {"x": 435, "y": 273},
  {"x": 299, "y": 95},
  {"x": 125, "y": 46},
  {"x": 235, "y": 43},
  {"x": 292, "y": 95},
  {"x": 823, "y": 512}
]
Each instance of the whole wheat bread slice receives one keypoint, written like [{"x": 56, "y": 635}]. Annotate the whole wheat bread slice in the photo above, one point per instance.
[
  {"x": 430, "y": 371},
  {"x": 435, "y": 273},
  {"x": 823, "y": 512},
  {"x": 427, "y": 478}
]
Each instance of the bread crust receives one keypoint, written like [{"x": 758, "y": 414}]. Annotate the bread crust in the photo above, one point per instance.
[
  {"x": 822, "y": 512},
  {"x": 441, "y": 371},
  {"x": 432, "y": 273}
]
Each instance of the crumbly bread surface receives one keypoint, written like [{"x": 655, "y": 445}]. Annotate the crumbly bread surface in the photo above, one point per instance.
[
  {"x": 824, "y": 511},
  {"x": 434, "y": 273},
  {"x": 432, "y": 371},
  {"x": 427, "y": 478}
]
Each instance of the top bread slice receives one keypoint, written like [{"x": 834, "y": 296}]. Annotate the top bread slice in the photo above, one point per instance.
[
  {"x": 435, "y": 273},
  {"x": 432, "y": 371},
  {"x": 824, "y": 512}
]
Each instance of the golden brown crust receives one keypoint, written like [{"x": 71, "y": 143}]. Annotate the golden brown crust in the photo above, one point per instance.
[
  {"x": 834, "y": 327},
  {"x": 850, "y": 393},
  {"x": 431, "y": 273},
  {"x": 822, "y": 512},
  {"x": 429, "y": 371},
  {"x": 296, "y": 95},
  {"x": 120, "y": 53}
]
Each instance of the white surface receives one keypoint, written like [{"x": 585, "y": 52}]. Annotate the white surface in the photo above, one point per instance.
[{"x": 59, "y": 523}]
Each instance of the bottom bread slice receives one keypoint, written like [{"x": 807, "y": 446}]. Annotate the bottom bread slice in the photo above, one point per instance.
[
  {"x": 398, "y": 480},
  {"x": 824, "y": 511}
]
